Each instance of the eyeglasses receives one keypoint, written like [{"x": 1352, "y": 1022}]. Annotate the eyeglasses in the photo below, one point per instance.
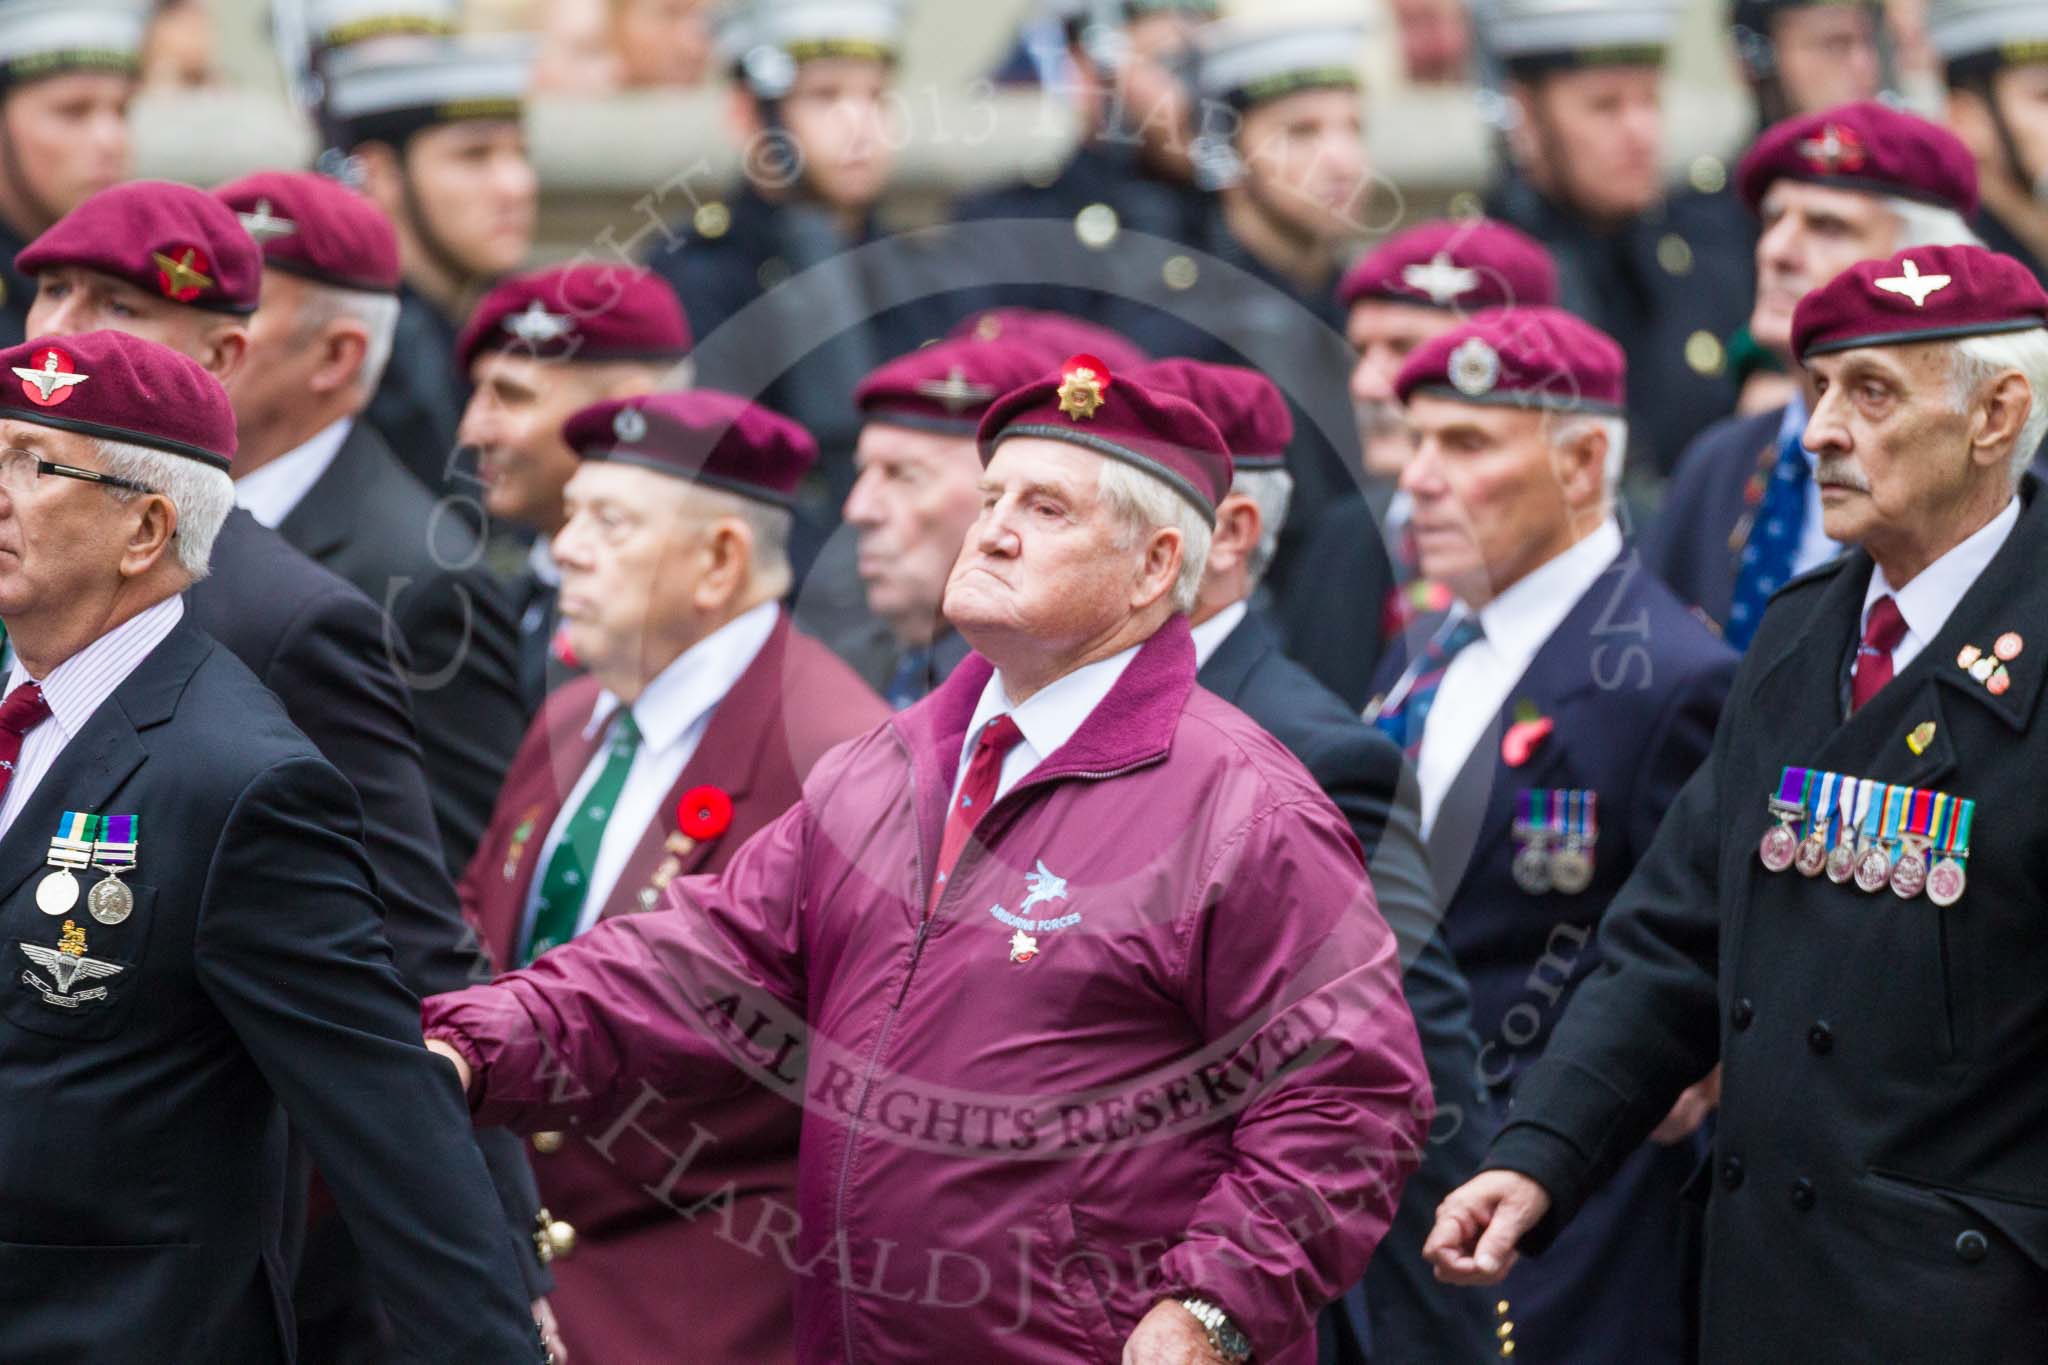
[{"x": 19, "y": 470}]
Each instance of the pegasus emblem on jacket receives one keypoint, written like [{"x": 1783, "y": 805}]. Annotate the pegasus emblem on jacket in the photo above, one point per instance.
[{"x": 1040, "y": 886}]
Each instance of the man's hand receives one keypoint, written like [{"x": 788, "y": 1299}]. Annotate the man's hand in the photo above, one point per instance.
[
  {"x": 436, "y": 1046},
  {"x": 1478, "y": 1225},
  {"x": 550, "y": 1330},
  {"x": 1690, "y": 1111},
  {"x": 1169, "y": 1335}
]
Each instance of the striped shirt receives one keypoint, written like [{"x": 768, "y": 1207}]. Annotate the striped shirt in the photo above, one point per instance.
[{"x": 76, "y": 688}]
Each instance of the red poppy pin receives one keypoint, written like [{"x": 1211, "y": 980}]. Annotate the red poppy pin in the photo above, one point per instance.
[
  {"x": 1530, "y": 729},
  {"x": 704, "y": 812}
]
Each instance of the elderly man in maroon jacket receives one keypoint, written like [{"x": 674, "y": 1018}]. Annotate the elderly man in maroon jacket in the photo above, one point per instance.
[
  {"x": 695, "y": 726},
  {"x": 1079, "y": 977}
]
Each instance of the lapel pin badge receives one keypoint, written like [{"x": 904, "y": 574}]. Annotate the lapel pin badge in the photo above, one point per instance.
[{"x": 1921, "y": 736}]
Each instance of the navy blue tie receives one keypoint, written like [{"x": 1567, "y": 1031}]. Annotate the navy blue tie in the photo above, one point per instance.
[
  {"x": 1774, "y": 537},
  {"x": 1404, "y": 717}
]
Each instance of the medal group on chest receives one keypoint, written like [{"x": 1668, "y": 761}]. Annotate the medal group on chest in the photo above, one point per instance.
[
  {"x": 1555, "y": 831},
  {"x": 104, "y": 842},
  {"x": 1874, "y": 834}
]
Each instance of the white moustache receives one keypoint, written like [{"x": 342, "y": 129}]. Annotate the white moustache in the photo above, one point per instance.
[{"x": 1841, "y": 473}]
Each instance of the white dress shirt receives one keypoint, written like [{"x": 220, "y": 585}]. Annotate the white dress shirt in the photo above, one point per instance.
[
  {"x": 1479, "y": 679},
  {"x": 672, "y": 714},
  {"x": 1927, "y": 601},
  {"x": 270, "y": 492},
  {"x": 75, "y": 689},
  {"x": 1210, "y": 635},
  {"x": 1047, "y": 721}
]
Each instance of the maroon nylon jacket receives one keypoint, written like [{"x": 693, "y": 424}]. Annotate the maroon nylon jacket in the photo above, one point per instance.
[{"x": 1150, "y": 1041}]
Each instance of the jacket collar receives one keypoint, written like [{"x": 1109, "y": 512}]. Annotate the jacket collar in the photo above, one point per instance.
[
  {"x": 1132, "y": 726},
  {"x": 1802, "y": 677},
  {"x": 1230, "y": 668},
  {"x": 324, "y": 518}
]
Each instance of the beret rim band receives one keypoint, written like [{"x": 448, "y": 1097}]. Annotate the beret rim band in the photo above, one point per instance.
[
  {"x": 1103, "y": 446},
  {"x": 1527, "y": 399},
  {"x": 1860, "y": 184},
  {"x": 126, "y": 436},
  {"x": 1953, "y": 332},
  {"x": 1419, "y": 300},
  {"x": 594, "y": 355},
  {"x": 918, "y": 421},
  {"x": 737, "y": 487},
  {"x": 315, "y": 275}
]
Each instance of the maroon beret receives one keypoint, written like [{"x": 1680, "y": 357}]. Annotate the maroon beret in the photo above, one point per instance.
[
  {"x": 701, "y": 435},
  {"x": 310, "y": 225},
  {"x": 1521, "y": 357},
  {"x": 1466, "y": 265},
  {"x": 120, "y": 387},
  {"x": 1248, "y": 409},
  {"x": 949, "y": 385},
  {"x": 1863, "y": 146},
  {"x": 1085, "y": 404},
  {"x": 578, "y": 312},
  {"x": 1925, "y": 293},
  {"x": 1060, "y": 333},
  {"x": 168, "y": 239}
]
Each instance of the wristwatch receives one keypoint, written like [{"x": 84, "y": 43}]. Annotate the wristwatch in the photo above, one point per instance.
[{"x": 1224, "y": 1338}]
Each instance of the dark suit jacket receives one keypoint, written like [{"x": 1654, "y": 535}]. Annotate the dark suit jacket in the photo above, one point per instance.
[
  {"x": 142, "y": 1165},
  {"x": 1331, "y": 617},
  {"x": 647, "y": 1285},
  {"x": 1632, "y": 683},
  {"x": 1411, "y": 1317},
  {"x": 1881, "y": 1055},
  {"x": 1688, "y": 545},
  {"x": 319, "y": 645},
  {"x": 420, "y": 396},
  {"x": 372, "y": 523}
]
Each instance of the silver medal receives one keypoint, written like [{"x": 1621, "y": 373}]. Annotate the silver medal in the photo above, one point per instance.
[
  {"x": 57, "y": 893},
  {"x": 110, "y": 901}
]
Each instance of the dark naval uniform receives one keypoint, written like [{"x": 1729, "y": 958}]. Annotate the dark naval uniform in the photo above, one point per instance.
[
  {"x": 1220, "y": 303},
  {"x": 17, "y": 291},
  {"x": 1671, "y": 286},
  {"x": 1104, "y": 194},
  {"x": 1878, "y": 1188},
  {"x": 801, "y": 348}
]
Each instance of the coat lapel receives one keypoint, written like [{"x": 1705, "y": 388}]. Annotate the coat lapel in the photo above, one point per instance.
[
  {"x": 103, "y": 755},
  {"x": 728, "y": 756},
  {"x": 319, "y": 525},
  {"x": 1479, "y": 808}
]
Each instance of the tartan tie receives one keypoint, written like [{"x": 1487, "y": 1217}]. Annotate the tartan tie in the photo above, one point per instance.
[
  {"x": 1403, "y": 719},
  {"x": 1881, "y": 635},
  {"x": 566, "y": 883},
  {"x": 977, "y": 794}
]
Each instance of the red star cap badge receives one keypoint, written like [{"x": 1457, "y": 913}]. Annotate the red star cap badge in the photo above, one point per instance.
[{"x": 181, "y": 272}]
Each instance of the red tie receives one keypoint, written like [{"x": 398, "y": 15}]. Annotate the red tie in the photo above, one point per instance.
[
  {"x": 1881, "y": 635},
  {"x": 977, "y": 794},
  {"x": 22, "y": 712}
]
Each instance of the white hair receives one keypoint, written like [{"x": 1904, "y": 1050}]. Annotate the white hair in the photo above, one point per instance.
[
  {"x": 321, "y": 304},
  {"x": 1569, "y": 427},
  {"x": 202, "y": 494},
  {"x": 767, "y": 525},
  {"x": 1271, "y": 490},
  {"x": 1980, "y": 359},
  {"x": 1929, "y": 224},
  {"x": 1147, "y": 503}
]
